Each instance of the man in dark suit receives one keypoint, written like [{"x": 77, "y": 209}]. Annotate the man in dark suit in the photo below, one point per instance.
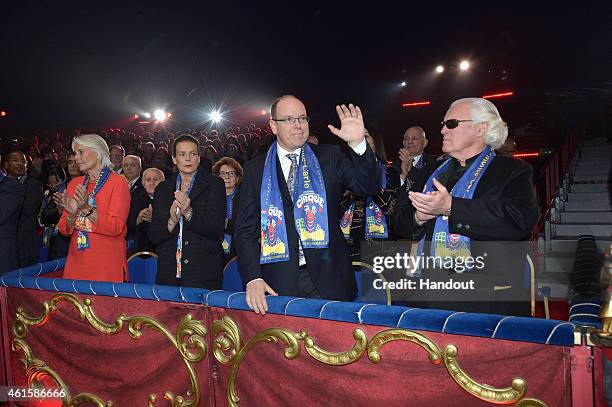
[
  {"x": 496, "y": 215},
  {"x": 132, "y": 167},
  {"x": 324, "y": 272},
  {"x": 414, "y": 165},
  {"x": 141, "y": 210},
  {"x": 15, "y": 164},
  {"x": 11, "y": 196}
]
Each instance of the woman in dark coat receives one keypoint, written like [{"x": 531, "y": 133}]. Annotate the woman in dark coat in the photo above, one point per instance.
[
  {"x": 230, "y": 171},
  {"x": 188, "y": 222}
]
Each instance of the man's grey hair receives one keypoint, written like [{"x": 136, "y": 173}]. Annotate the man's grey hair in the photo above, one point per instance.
[
  {"x": 153, "y": 169},
  {"x": 483, "y": 111},
  {"x": 97, "y": 145},
  {"x": 134, "y": 157}
]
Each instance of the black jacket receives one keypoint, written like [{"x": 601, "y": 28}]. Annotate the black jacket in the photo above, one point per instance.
[
  {"x": 417, "y": 177},
  {"x": 202, "y": 258},
  {"x": 11, "y": 201},
  {"x": 500, "y": 215},
  {"x": 140, "y": 233},
  {"x": 28, "y": 222},
  {"x": 329, "y": 268}
]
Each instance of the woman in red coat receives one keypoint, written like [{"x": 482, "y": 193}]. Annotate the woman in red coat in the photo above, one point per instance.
[{"x": 96, "y": 208}]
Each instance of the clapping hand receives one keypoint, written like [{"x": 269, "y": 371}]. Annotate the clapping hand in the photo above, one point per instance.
[
  {"x": 145, "y": 215},
  {"x": 351, "y": 129},
  {"x": 182, "y": 201},
  {"x": 72, "y": 204},
  {"x": 433, "y": 202},
  {"x": 407, "y": 161}
]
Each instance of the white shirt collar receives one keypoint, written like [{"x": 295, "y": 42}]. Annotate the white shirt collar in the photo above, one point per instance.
[
  {"x": 282, "y": 153},
  {"x": 131, "y": 183},
  {"x": 416, "y": 159}
]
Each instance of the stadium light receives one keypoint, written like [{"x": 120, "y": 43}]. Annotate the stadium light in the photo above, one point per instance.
[
  {"x": 147, "y": 115},
  {"x": 464, "y": 65},
  {"x": 215, "y": 116},
  {"x": 136, "y": 116},
  {"x": 439, "y": 69},
  {"x": 403, "y": 84},
  {"x": 160, "y": 115},
  {"x": 264, "y": 112}
]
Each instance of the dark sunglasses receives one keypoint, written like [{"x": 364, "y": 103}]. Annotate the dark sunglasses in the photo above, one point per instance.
[{"x": 453, "y": 123}]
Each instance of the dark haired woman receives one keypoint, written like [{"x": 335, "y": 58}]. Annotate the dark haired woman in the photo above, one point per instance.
[{"x": 188, "y": 221}]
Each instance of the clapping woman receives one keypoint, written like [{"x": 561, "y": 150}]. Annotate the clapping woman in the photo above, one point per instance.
[
  {"x": 96, "y": 208},
  {"x": 188, "y": 221}
]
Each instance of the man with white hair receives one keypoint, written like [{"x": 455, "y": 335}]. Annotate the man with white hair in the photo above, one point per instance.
[
  {"x": 471, "y": 200},
  {"x": 141, "y": 210},
  {"x": 132, "y": 165}
]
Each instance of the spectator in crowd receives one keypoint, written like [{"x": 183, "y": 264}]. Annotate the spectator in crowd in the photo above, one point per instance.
[
  {"x": 141, "y": 210},
  {"x": 368, "y": 218},
  {"x": 72, "y": 168},
  {"x": 50, "y": 213},
  {"x": 96, "y": 208},
  {"x": 162, "y": 161},
  {"x": 132, "y": 165},
  {"x": 188, "y": 221},
  {"x": 210, "y": 153},
  {"x": 117, "y": 153},
  {"x": 233, "y": 152},
  {"x": 148, "y": 149},
  {"x": 11, "y": 196},
  {"x": 471, "y": 200},
  {"x": 230, "y": 171},
  {"x": 15, "y": 165},
  {"x": 302, "y": 251},
  {"x": 414, "y": 164},
  {"x": 205, "y": 163},
  {"x": 49, "y": 159},
  {"x": 35, "y": 159}
]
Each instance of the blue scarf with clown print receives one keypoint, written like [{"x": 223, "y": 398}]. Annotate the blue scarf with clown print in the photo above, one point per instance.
[
  {"x": 375, "y": 220},
  {"x": 309, "y": 207},
  {"x": 444, "y": 244}
]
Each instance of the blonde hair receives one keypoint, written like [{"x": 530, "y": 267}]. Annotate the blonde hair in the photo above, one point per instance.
[{"x": 97, "y": 145}]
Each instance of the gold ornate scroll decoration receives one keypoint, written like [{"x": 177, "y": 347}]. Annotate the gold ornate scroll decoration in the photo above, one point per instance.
[
  {"x": 228, "y": 339},
  {"x": 37, "y": 371},
  {"x": 484, "y": 392},
  {"x": 188, "y": 340}
]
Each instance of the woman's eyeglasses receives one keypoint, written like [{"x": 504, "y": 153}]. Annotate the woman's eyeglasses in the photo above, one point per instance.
[{"x": 227, "y": 174}]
